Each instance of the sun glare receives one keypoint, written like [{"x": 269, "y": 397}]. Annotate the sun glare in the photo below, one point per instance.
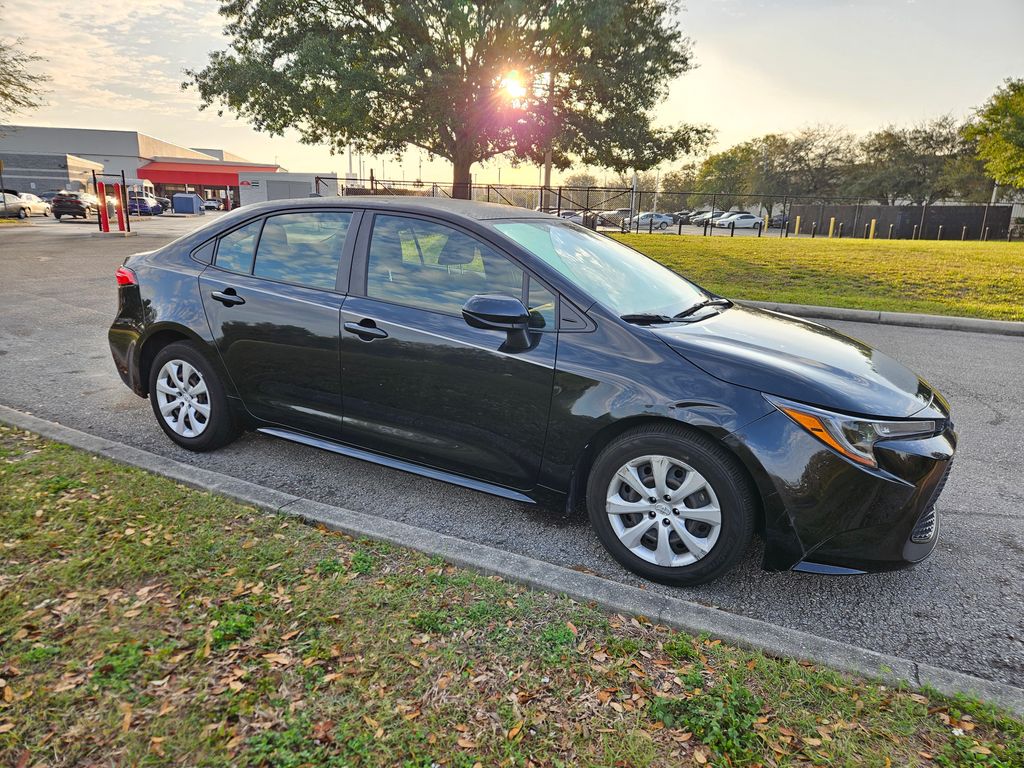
[{"x": 513, "y": 85}]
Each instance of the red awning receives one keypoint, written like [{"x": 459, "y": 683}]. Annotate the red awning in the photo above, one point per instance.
[{"x": 200, "y": 174}]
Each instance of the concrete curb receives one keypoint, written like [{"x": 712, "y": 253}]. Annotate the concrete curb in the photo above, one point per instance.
[
  {"x": 910, "y": 319},
  {"x": 685, "y": 615}
]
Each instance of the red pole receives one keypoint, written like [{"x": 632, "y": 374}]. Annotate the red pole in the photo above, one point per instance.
[
  {"x": 101, "y": 192},
  {"x": 120, "y": 207}
]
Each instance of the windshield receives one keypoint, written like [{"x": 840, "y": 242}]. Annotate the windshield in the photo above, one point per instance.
[{"x": 621, "y": 279}]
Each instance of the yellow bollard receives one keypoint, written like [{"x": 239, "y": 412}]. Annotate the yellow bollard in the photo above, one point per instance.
[
  {"x": 873, "y": 223},
  {"x": 831, "y": 227},
  {"x": 767, "y": 222},
  {"x": 796, "y": 229}
]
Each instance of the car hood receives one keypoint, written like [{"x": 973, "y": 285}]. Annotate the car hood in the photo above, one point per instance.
[{"x": 800, "y": 360}]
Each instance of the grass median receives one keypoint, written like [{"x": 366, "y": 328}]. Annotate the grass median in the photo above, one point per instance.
[
  {"x": 970, "y": 279},
  {"x": 145, "y": 623}
]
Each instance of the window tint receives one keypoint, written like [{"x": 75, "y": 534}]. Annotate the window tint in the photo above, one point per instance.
[
  {"x": 204, "y": 253},
  {"x": 542, "y": 304},
  {"x": 432, "y": 266},
  {"x": 621, "y": 279},
  {"x": 303, "y": 248},
  {"x": 235, "y": 249}
]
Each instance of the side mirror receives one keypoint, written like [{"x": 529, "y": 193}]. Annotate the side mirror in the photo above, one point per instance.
[
  {"x": 500, "y": 313},
  {"x": 496, "y": 313}
]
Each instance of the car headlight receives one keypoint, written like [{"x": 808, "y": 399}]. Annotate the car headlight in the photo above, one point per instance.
[{"x": 851, "y": 436}]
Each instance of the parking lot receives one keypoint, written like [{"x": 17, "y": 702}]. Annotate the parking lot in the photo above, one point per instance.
[{"x": 958, "y": 609}]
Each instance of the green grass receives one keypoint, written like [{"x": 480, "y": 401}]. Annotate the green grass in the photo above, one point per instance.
[
  {"x": 945, "y": 278},
  {"x": 143, "y": 623}
]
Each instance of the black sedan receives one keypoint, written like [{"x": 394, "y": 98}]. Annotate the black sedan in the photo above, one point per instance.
[
  {"x": 517, "y": 354},
  {"x": 75, "y": 205}
]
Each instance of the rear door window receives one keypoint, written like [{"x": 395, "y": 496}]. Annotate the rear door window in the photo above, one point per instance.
[
  {"x": 236, "y": 249},
  {"x": 303, "y": 247}
]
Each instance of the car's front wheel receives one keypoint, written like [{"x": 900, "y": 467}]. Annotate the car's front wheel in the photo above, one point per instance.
[
  {"x": 671, "y": 504},
  {"x": 188, "y": 399}
]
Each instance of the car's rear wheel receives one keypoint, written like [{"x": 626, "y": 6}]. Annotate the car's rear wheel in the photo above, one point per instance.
[
  {"x": 188, "y": 399},
  {"x": 671, "y": 504},
  {"x": 57, "y": 216},
  {"x": 23, "y": 213}
]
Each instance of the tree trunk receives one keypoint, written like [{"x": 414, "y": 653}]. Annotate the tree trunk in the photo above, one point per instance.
[{"x": 462, "y": 179}]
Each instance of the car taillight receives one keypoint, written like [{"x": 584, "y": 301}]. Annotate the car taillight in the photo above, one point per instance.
[{"x": 125, "y": 276}]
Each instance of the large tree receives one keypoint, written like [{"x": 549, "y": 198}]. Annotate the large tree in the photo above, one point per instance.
[
  {"x": 999, "y": 132},
  {"x": 921, "y": 164},
  {"x": 463, "y": 80},
  {"x": 19, "y": 83}
]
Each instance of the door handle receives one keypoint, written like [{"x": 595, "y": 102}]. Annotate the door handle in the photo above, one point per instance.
[
  {"x": 228, "y": 297},
  {"x": 366, "y": 329}
]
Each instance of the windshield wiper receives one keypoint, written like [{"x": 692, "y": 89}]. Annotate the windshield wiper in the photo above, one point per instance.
[
  {"x": 646, "y": 318},
  {"x": 700, "y": 305}
]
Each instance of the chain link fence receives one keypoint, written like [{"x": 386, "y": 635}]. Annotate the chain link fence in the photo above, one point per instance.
[{"x": 698, "y": 212}]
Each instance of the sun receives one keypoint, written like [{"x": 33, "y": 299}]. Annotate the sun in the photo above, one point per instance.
[{"x": 513, "y": 85}]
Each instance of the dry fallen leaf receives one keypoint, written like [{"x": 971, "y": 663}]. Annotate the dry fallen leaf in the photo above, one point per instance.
[
  {"x": 126, "y": 717},
  {"x": 466, "y": 743},
  {"x": 514, "y": 730}
]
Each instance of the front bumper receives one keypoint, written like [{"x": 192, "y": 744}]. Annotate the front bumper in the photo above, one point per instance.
[{"x": 824, "y": 513}]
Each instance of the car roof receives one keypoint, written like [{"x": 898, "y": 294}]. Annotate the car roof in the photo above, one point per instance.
[{"x": 469, "y": 209}]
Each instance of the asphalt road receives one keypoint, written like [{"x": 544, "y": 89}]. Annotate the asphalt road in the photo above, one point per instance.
[{"x": 963, "y": 608}]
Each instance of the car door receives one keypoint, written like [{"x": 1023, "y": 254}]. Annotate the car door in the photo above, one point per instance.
[
  {"x": 419, "y": 383},
  {"x": 272, "y": 299}
]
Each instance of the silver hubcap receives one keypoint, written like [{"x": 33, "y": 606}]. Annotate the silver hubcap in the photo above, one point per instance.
[
  {"x": 664, "y": 511},
  {"x": 183, "y": 398}
]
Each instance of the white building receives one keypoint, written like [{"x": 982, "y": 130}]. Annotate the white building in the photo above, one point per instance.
[
  {"x": 259, "y": 187},
  {"x": 170, "y": 167}
]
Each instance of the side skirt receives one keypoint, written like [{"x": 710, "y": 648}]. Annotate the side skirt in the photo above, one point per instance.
[{"x": 405, "y": 466}]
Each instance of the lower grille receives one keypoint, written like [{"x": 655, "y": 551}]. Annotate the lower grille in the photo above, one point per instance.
[
  {"x": 926, "y": 525},
  {"x": 925, "y": 528}
]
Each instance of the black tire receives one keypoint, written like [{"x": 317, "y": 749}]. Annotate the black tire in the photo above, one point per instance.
[
  {"x": 705, "y": 455},
  {"x": 23, "y": 213},
  {"x": 57, "y": 216},
  {"x": 221, "y": 426},
  {"x": 663, "y": 225}
]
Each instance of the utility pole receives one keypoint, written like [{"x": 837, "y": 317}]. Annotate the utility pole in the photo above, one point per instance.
[{"x": 551, "y": 98}]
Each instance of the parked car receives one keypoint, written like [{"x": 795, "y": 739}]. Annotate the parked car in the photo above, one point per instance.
[
  {"x": 649, "y": 220},
  {"x": 526, "y": 357},
  {"x": 699, "y": 219},
  {"x": 740, "y": 220},
  {"x": 48, "y": 196},
  {"x": 778, "y": 221},
  {"x": 165, "y": 202},
  {"x": 75, "y": 204},
  {"x": 12, "y": 206},
  {"x": 612, "y": 217},
  {"x": 681, "y": 217},
  {"x": 140, "y": 204},
  {"x": 37, "y": 206},
  {"x": 213, "y": 204}
]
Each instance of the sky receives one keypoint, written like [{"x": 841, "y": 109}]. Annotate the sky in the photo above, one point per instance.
[{"x": 761, "y": 66}]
